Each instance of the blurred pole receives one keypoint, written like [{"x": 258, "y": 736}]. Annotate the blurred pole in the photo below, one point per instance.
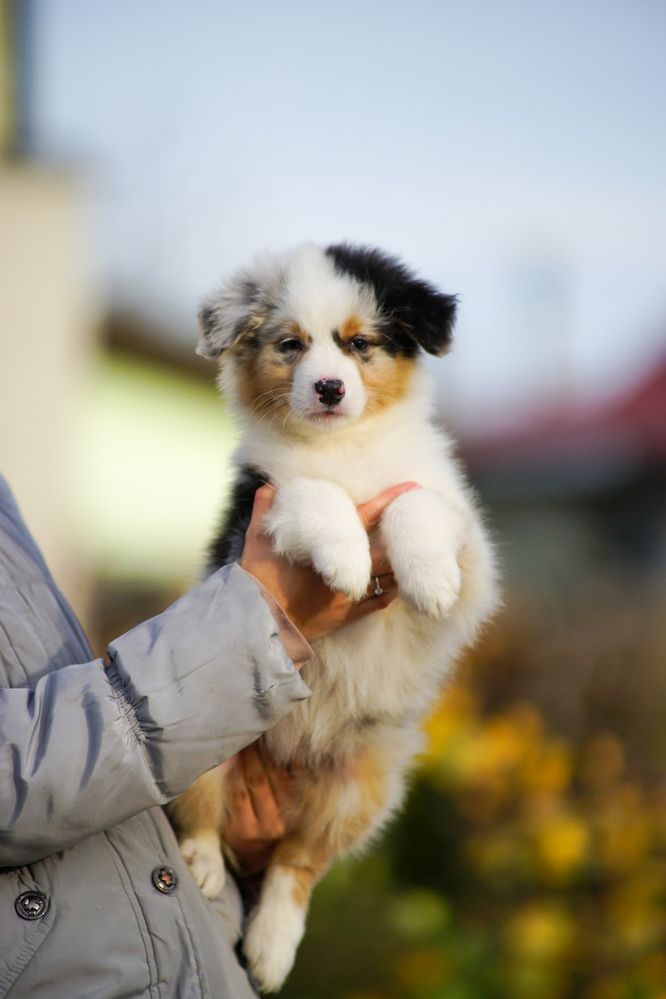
[
  {"x": 8, "y": 102},
  {"x": 15, "y": 19}
]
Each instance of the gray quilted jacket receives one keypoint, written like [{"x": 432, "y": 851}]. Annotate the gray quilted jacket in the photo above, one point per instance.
[{"x": 94, "y": 898}]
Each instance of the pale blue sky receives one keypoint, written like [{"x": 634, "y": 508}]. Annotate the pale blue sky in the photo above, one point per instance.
[{"x": 513, "y": 152}]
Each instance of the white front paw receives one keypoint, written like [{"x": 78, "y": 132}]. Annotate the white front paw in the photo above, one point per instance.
[
  {"x": 271, "y": 940},
  {"x": 315, "y": 521},
  {"x": 432, "y": 589},
  {"x": 203, "y": 857},
  {"x": 283, "y": 526},
  {"x": 345, "y": 567},
  {"x": 422, "y": 535}
]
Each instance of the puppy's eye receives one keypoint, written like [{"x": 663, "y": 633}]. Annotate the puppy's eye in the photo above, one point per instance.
[
  {"x": 291, "y": 346},
  {"x": 359, "y": 344}
]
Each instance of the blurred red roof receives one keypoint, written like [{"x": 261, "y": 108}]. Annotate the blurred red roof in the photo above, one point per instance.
[{"x": 630, "y": 425}]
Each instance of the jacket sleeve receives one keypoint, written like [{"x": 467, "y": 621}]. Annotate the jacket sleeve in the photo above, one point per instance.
[{"x": 90, "y": 745}]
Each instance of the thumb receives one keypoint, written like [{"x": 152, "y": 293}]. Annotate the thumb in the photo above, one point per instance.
[
  {"x": 371, "y": 511},
  {"x": 263, "y": 500}
]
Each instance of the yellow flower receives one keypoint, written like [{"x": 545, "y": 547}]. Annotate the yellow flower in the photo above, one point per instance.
[
  {"x": 539, "y": 932},
  {"x": 456, "y": 716},
  {"x": 495, "y": 748},
  {"x": 561, "y": 845},
  {"x": 549, "y": 769}
]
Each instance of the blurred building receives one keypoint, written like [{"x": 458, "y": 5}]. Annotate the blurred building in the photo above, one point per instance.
[
  {"x": 45, "y": 324},
  {"x": 117, "y": 457},
  {"x": 578, "y": 489}
]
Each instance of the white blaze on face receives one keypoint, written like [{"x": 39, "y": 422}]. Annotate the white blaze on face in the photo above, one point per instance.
[
  {"x": 321, "y": 302},
  {"x": 325, "y": 361}
]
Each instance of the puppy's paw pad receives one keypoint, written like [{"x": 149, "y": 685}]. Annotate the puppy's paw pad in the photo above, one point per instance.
[
  {"x": 432, "y": 589},
  {"x": 270, "y": 944},
  {"x": 345, "y": 568},
  {"x": 206, "y": 865}
]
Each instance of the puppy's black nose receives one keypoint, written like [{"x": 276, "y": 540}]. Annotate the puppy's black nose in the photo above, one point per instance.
[{"x": 330, "y": 391}]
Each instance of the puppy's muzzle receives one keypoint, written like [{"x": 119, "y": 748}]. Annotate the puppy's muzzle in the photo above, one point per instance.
[{"x": 330, "y": 391}]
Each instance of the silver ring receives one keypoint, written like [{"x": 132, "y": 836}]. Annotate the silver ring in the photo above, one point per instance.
[{"x": 378, "y": 591}]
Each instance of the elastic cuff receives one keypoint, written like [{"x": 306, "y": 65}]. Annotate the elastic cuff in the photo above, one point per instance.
[{"x": 122, "y": 696}]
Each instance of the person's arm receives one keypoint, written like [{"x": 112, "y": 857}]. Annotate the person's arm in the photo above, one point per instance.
[{"x": 89, "y": 746}]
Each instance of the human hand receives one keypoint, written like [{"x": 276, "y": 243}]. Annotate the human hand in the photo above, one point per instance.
[
  {"x": 303, "y": 595},
  {"x": 260, "y": 795}
]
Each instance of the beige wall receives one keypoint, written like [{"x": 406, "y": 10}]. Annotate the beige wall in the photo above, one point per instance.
[{"x": 46, "y": 337}]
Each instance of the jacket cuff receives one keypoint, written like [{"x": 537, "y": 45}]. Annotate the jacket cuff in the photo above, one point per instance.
[
  {"x": 298, "y": 648},
  {"x": 203, "y": 679}
]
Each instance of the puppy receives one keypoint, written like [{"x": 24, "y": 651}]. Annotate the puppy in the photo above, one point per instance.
[{"x": 320, "y": 355}]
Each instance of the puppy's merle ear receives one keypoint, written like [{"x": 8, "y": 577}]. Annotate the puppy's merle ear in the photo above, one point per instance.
[
  {"x": 413, "y": 307},
  {"x": 224, "y": 318}
]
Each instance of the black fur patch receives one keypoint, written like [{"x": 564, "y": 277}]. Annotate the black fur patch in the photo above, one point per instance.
[
  {"x": 414, "y": 313},
  {"x": 228, "y": 544}
]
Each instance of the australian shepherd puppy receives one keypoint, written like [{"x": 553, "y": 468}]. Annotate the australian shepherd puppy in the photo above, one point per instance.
[{"x": 321, "y": 358}]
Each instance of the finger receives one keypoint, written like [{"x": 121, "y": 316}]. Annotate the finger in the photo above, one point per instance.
[
  {"x": 371, "y": 604},
  {"x": 371, "y": 511},
  {"x": 252, "y": 766},
  {"x": 380, "y": 562},
  {"x": 267, "y": 810},
  {"x": 281, "y": 780},
  {"x": 264, "y": 802},
  {"x": 243, "y": 823},
  {"x": 263, "y": 500}
]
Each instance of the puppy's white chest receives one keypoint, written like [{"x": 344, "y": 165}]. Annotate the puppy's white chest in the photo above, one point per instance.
[
  {"x": 369, "y": 682},
  {"x": 403, "y": 447}
]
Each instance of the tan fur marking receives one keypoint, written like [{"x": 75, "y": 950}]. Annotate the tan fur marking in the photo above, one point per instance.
[
  {"x": 351, "y": 327},
  {"x": 264, "y": 378},
  {"x": 265, "y": 385},
  {"x": 202, "y": 805},
  {"x": 386, "y": 379},
  {"x": 304, "y": 881}
]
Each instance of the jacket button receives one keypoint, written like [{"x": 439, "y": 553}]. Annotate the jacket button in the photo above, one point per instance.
[
  {"x": 32, "y": 905},
  {"x": 165, "y": 879}
]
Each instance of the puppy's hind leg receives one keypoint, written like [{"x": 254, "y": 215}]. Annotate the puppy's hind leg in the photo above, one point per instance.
[
  {"x": 278, "y": 923},
  {"x": 340, "y": 811}
]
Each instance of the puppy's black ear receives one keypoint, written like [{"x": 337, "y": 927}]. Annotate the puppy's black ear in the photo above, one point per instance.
[
  {"x": 413, "y": 307},
  {"x": 224, "y": 318}
]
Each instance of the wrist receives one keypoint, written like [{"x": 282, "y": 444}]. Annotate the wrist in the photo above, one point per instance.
[{"x": 296, "y": 645}]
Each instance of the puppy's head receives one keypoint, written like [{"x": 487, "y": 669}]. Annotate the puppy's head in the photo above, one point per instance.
[{"x": 320, "y": 338}]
